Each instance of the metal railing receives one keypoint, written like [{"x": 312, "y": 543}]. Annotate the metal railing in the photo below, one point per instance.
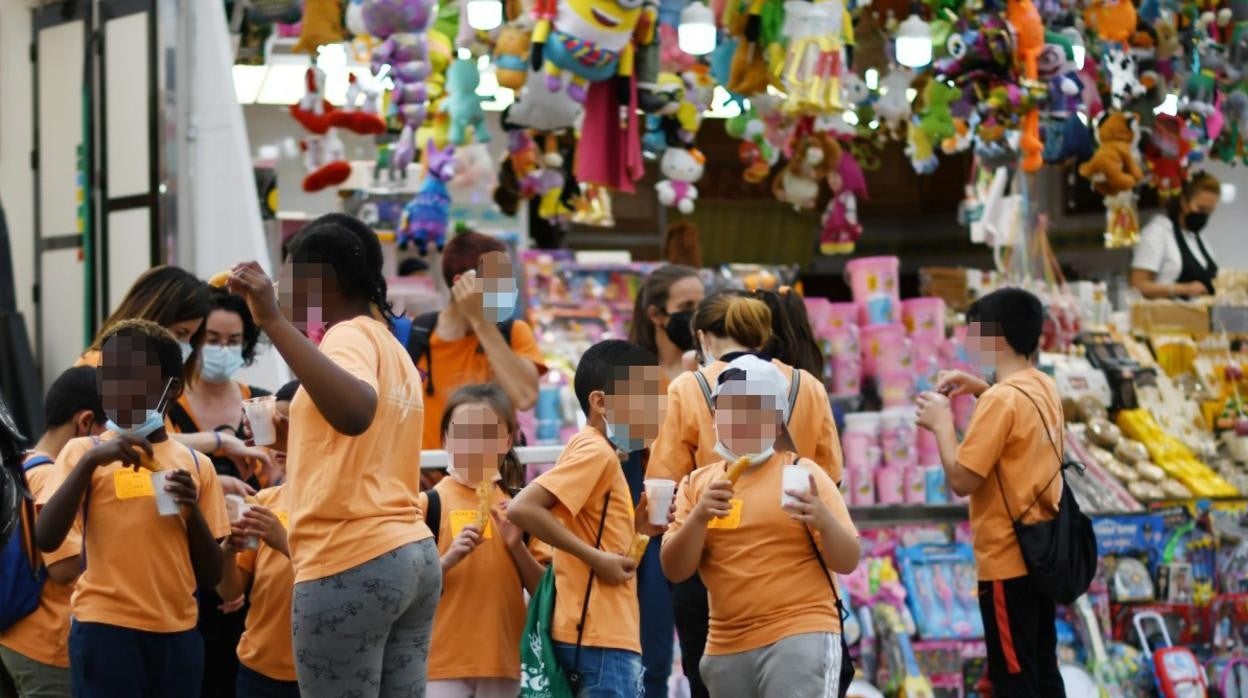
[{"x": 437, "y": 458}]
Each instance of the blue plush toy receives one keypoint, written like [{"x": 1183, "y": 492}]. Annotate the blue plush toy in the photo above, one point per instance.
[
  {"x": 463, "y": 103},
  {"x": 426, "y": 217}
]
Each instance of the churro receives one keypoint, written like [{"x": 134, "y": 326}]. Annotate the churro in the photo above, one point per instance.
[
  {"x": 484, "y": 492},
  {"x": 638, "y": 548},
  {"x": 734, "y": 471},
  {"x": 220, "y": 279}
]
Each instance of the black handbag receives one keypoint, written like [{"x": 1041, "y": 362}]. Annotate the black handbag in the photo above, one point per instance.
[{"x": 1060, "y": 554}]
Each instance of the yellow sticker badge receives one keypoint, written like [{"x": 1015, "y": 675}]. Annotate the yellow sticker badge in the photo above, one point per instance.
[{"x": 732, "y": 520}]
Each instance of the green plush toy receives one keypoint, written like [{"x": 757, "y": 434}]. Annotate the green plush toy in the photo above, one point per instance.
[{"x": 463, "y": 104}]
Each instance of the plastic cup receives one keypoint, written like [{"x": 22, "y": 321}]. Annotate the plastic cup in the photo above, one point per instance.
[
  {"x": 796, "y": 479},
  {"x": 260, "y": 411},
  {"x": 659, "y": 494},
  {"x": 165, "y": 503},
  {"x": 237, "y": 507}
]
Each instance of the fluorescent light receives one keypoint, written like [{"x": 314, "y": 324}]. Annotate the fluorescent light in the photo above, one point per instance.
[
  {"x": 850, "y": 118},
  {"x": 696, "y": 33},
  {"x": 872, "y": 77},
  {"x": 247, "y": 82},
  {"x": 1169, "y": 107},
  {"x": 914, "y": 42},
  {"x": 283, "y": 84},
  {"x": 1228, "y": 193},
  {"x": 484, "y": 15}
]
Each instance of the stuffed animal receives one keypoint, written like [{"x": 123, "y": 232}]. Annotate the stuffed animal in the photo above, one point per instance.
[
  {"x": 683, "y": 244},
  {"x": 1124, "y": 79},
  {"x": 749, "y": 74},
  {"x": 1166, "y": 155},
  {"x": 840, "y": 229},
  {"x": 405, "y": 54},
  {"x": 312, "y": 110},
  {"x": 682, "y": 169},
  {"x": 893, "y": 105},
  {"x": 1112, "y": 169},
  {"x": 475, "y": 176},
  {"x": 1113, "y": 20},
  {"x": 426, "y": 216},
  {"x": 322, "y": 24},
  {"x": 870, "y": 42},
  {"x": 814, "y": 58},
  {"x": 935, "y": 119},
  {"x": 464, "y": 104},
  {"x": 324, "y": 157},
  {"x": 798, "y": 184},
  {"x": 591, "y": 40},
  {"x": 1029, "y": 43},
  {"x": 986, "y": 49},
  {"x": 511, "y": 55},
  {"x": 359, "y": 112},
  {"x": 541, "y": 108}
]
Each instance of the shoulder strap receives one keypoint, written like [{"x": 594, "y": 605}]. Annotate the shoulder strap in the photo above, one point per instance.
[
  {"x": 1061, "y": 462},
  {"x": 504, "y": 328},
  {"x": 580, "y": 625},
  {"x": 402, "y": 328},
  {"x": 194, "y": 458},
  {"x": 706, "y": 389},
  {"x": 418, "y": 340},
  {"x": 181, "y": 418},
  {"x": 433, "y": 511},
  {"x": 795, "y": 386},
  {"x": 35, "y": 462}
]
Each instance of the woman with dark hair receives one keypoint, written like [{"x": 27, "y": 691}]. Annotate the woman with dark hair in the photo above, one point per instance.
[
  {"x": 661, "y": 314},
  {"x": 357, "y": 539},
  {"x": 1170, "y": 258},
  {"x": 792, "y": 337}
]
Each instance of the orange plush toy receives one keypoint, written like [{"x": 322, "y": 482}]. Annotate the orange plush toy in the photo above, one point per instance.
[
  {"x": 322, "y": 24},
  {"x": 1113, "y": 20},
  {"x": 1112, "y": 168},
  {"x": 1029, "y": 30}
]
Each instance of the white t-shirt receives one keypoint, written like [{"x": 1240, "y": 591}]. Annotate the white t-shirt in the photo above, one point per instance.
[{"x": 1157, "y": 250}]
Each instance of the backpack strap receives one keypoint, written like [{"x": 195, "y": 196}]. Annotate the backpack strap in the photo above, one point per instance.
[
  {"x": 575, "y": 675},
  {"x": 420, "y": 334},
  {"x": 28, "y": 509},
  {"x": 706, "y": 390},
  {"x": 1061, "y": 462},
  {"x": 35, "y": 462},
  {"x": 433, "y": 512},
  {"x": 795, "y": 386}
]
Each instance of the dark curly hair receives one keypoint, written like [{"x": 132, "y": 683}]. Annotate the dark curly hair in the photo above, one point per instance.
[
  {"x": 351, "y": 248},
  {"x": 221, "y": 299}
]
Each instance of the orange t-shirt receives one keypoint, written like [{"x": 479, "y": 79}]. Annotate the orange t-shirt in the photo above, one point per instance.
[
  {"x": 353, "y": 498},
  {"x": 586, "y": 471},
  {"x": 687, "y": 437},
  {"x": 763, "y": 579},
  {"x": 265, "y": 646},
  {"x": 138, "y": 572},
  {"x": 476, "y": 633},
  {"x": 461, "y": 362},
  {"x": 1007, "y": 436},
  {"x": 43, "y": 636}
]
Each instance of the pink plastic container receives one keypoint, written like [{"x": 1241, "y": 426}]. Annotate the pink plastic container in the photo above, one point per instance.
[
  {"x": 890, "y": 485},
  {"x": 844, "y": 343},
  {"x": 929, "y": 450},
  {"x": 863, "y": 482},
  {"x": 916, "y": 486},
  {"x": 897, "y": 437},
  {"x": 873, "y": 281},
  {"x": 896, "y": 388},
  {"x": 924, "y": 317},
  {"x": 817, "y": 313},
  {"x": 846, "y": 377},
  {"x": 885, "y": 349},
  {"x": 925, "y": 358},
  {"x": 841, "y": 315},
  {"x": 860, "y": 440}
]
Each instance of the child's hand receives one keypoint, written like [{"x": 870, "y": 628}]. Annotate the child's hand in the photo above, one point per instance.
[
  {"x": 265, "y": 525},
  {"x": 641, "y": 522},
  {"x": 249, "y": 281},
  {"x": 463, "y": 545},
  {"x": 613, "y": 568},
  {"x": 129, "y": 450},
  {"x": 466, "y": 296},
  {"x": 180, "y": 484},
  {"x": 956, "y": 383},
  {"x": 809, "y": 508},
  {"x": 513, "y": 537},
  {"x": 236, "y": 542},
  {"x": 715, "y": 503},
  {"x": 935, "y": 412}
]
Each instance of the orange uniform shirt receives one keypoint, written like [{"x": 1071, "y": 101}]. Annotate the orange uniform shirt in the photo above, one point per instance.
[
  {"x": 265, "y": 646},
  {"x": 763, "y": 579},
  {"x": 687, "y": 437},
  {"x": 480, "y": 619},
  {"x": 353, "y": 498},
  {"x": 586, "y": 471},
  {"x": 1006, "y": 440},
  {"x": 44, "y": 634},
  {"x": 138, "y": 564},
  {"x": 461, "y": 362}
]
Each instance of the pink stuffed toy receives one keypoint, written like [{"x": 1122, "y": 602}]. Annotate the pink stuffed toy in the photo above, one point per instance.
[{"x": 841, "y": 228}]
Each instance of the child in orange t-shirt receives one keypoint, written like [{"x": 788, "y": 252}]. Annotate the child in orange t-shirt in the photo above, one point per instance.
[
  {"x": 134, "y": 609},
  {"x": 34, "y": 651},
  {"x": 765, "y": 546},
  {"x": 485, "y": 572},
  {"x": 584, "y": 509},
  {"x": 1014, "y": 439}
]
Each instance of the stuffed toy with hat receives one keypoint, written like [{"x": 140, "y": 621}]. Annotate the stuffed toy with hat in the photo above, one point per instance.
[
  {"x": 586, "y": 40},
  {"x": 682, "y": 169}
]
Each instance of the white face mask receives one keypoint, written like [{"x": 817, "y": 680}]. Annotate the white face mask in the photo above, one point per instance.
[{"x": 729, "y": 455}]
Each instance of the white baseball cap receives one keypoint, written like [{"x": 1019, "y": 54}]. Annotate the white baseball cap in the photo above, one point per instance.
[{"x": 750, "y": 375}]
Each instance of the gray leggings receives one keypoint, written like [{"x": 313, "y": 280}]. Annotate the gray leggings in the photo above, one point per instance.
[{"x": 365, "y": 632}]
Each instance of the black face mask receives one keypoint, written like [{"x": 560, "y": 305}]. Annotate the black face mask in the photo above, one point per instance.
[
  {"x": 1195, "y": 222},
  {"x": 679, "y": 329}
]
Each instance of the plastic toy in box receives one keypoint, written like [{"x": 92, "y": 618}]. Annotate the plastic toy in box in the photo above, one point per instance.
[{"x": 942, "y": 590}]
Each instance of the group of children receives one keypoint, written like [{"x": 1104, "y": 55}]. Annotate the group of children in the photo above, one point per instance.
[{"x": 360, "y": 584}]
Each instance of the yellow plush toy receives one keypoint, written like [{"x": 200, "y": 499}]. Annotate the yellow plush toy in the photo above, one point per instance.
[
  {"x": 322, "y": 24},
  {"x": 592, "y": 40}
]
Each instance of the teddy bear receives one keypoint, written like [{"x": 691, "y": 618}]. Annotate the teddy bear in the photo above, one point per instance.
[
  {"x": 1112, "y": 169},
  {"x": 798, "y": 184},
  {"x": 511, "y": 55},
  {"x": 682, "y": 168},
  {"x": 463, "y": 103}
]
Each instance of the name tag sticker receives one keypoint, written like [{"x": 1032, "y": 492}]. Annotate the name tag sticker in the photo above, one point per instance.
[
  {"x": 732, "y": 520},
  {"x": 468, "y": 517},
  {"x": 128, "y": 484}
]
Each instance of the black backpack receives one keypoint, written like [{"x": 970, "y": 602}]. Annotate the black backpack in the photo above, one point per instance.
[{"x": 414, "y": 334}]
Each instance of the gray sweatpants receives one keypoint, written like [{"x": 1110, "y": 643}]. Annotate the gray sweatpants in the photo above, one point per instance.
[
  {"x": 365, "y": 632},
  {"x": 799, "y": 666},
  {"x": 31, "y": 679}
]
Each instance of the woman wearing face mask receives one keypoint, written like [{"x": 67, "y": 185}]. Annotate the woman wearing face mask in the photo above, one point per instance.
[
  {"x": 1171, "y": 260},
  {"x": 729, "y": 325},
  {"x": 661, "y": 315}
]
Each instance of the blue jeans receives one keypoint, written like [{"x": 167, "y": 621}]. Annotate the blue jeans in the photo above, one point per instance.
[
  {"x": 107, "y": 660},
  {"x": 253, "y": 684},
  {"x": 605, "y": 673},
  {"x": 654, "y": 595}
]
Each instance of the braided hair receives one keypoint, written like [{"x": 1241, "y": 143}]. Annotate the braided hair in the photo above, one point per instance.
[{"x": 351, "y": 247}]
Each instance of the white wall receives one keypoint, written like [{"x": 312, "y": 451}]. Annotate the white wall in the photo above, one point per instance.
[
  {"x": 16, "y": 138},
  {"x": 1227, "y": 233}
]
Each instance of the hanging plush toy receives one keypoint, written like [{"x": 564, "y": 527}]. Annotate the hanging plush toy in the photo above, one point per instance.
[
  {"x": 464, "y": 104},
  {"x": 1113, "y": 20},
  {"x": 511, "y": 55},
  {"x": 870, "y": 44},
  {"x": 841, "y": 229},
  {"x": 1112, "y": 169},
  {"x": 591, "y": 40},
  {"x": 1029, "y": 42},
  {"x": 322, "y": 24},
  {"x": 542, "y": 109},
  {"x": 1124, "y": 77},
  {"x": 798, "y": 184},
  {"x": 475, "y": 176},
  {"x": 1166, "y": 155},
  {"x": 893, "y": 105},
  {"x": 312, "y": 110},
  {"x": 359, "y": 111},
  {"x": 983, "y": 50},
  {"x": 814, "y": 59},
  {"x": 403, "y": 25},
  {"x": 426, "y": 217},
  {"x": 324, "y": 157},
  {"x": 936, "y": 119},
  {"x": 682, "y": 169}
]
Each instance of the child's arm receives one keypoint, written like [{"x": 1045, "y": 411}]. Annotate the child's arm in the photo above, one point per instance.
[
  {"x": 65, "y": 571},
  {"x": 530, "y": 510},
  {"x": 682, "y": 550},
  {"x": 234, "y": 579},
  {"x": 936, "y": 415},
  {"x": 58, "y": 514},
  {"x": 530, "y": 570},
  {"x": 205, "y": 555}
]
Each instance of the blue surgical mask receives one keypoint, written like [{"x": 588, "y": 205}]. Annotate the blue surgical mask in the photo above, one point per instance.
[
  {"x": 220, "y": 363},
  {"x": 501, "y": 303},
  {"x": 621, "y": 438},
  {"x": 187, "y": 349},
  {"x": 155, "y": 419}
]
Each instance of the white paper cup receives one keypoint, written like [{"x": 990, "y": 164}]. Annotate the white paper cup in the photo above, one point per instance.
[
  {"x": 659, "y": 495},
  {"x": 165, "y": 504},
  {"x": 260, "y": 412},
  {"x": 797, "y": 479},
  {"x": 237, "y": 508}
]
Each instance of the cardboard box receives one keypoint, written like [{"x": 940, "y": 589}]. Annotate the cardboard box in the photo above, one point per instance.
[{"x": 1156, "y": 317}]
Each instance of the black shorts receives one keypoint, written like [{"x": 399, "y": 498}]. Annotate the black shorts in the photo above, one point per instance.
[{"x": 1022, "y": 640}]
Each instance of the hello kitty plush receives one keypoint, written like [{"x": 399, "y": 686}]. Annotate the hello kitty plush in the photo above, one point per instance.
[{"x": 682, "y": 168}]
